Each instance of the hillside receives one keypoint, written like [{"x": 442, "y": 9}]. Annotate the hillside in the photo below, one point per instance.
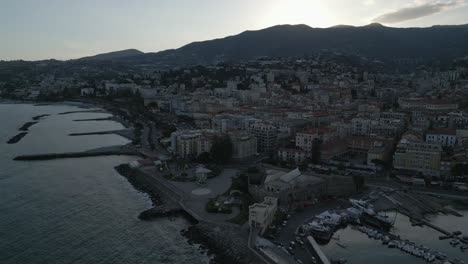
[
  {"x": 114, "y": 55},
  {"x": 373, "y": 41}
]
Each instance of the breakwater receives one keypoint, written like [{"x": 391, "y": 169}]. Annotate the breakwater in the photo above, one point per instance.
[
  {"x": 82, "y": 111},
  {"x": 17, "y": 138},
  {"x": 94, "y": 119},
  {"x": 91, "y": 133},
  {"x": 126, "y": 133},
  {"x": 107, "y": 151},
  {"x": 39, "y": 117},
  {"x": 27, "y": 125}
]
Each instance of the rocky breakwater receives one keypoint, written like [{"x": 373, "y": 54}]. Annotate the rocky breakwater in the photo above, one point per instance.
[
  {"x": 24, "y": 130},
  {"x": 227, "y": 244},
  {"x": 163, "y": 205}
]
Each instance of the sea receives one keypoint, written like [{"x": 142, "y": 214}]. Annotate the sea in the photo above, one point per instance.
[{"x": 76, "y": 210}]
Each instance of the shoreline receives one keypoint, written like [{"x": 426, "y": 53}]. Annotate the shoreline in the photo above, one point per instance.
[{"x": 162, "y": 205}]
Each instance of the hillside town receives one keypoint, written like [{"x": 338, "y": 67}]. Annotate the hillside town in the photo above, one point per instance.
[{"x": 267, "y": 144}]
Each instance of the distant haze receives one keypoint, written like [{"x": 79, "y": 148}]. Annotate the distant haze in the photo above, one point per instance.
[{"x": 65, "y": 29}]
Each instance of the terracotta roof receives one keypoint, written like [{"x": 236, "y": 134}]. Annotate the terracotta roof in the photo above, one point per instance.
[{"x": 443, "y": 132}]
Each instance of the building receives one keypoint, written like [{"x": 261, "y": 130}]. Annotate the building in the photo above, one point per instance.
[
  {"x": 418, "y": 156},
  {"x": 446, "y": 138},
  {"x": 427, "y": 104},
  {"x": 385, "y": 127},
  {"x": 294, "y": 188},
  {"x": 243, "y": 145},
  {"x": 292, "y": 155},
  {"x": 261, "y": 215},
  {"x": 266, "y": 134},
  {"x": 305, "y": 139},
  {"x": 191, "y": 143},
  {"x": 379, "y": 151},
  {"x": 87, "y": 92},
  {"x": 287, "y": 186}
]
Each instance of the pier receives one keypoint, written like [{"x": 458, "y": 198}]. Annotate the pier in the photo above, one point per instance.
[
  {"x": 319, "y": 251},
  {"x": 423, "y": 221}
]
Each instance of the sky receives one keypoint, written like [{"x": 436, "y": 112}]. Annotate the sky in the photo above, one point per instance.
[{"x": 69, "y": 29}]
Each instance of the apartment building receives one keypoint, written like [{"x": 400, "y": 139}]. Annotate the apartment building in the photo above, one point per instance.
[
  {"x": 266, "y": 134},
  {"x": 418, "y": 156}
]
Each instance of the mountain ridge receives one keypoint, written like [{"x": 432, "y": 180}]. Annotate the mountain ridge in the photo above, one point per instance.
[{"x": 372, "y": 41}]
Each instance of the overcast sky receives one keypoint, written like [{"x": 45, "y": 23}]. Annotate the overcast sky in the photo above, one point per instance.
[{"x": 66, "y": 29}]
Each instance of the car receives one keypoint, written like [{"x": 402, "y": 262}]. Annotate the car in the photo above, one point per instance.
[
  {"x": 292, "y": 244},
  {"x": 291, "y": 250}
]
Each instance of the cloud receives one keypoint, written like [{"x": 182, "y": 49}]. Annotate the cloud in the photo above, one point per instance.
[{"x": 418, "y": 11}]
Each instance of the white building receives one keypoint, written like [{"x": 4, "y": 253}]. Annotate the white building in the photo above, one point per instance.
[
  {"x": 292, "y": 155},
  {"x": 418, "y": 156},
  {"x": 191, "y": 143},
  {"x": 446, "y": 138},
  {"x": 261, "y": 215},
  {"x": 305, "y": 139}
]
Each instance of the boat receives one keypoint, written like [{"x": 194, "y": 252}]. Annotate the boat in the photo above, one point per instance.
[
  {"x": 336, "y": 238},
  {"x": 378, "y": 220},
  {"x": 341, "y": 244},
  {"x": 363, "y": 206},
  {"x": 319, "y": 231}
]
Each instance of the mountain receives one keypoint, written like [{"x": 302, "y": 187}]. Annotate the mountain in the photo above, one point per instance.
[
  {"x": 115, "y": 55},
  {"x": 373, "y": 41}
]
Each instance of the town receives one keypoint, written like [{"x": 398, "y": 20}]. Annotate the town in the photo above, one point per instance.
[{"x": 272, "y": 155}]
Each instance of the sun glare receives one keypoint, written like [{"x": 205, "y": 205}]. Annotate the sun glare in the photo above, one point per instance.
[{"x": 309, "y": 12}]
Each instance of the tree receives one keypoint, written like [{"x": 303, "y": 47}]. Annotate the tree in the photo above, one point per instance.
[
  {"x": 221, "y": 149},
  {"x": 153, "y": 105}
]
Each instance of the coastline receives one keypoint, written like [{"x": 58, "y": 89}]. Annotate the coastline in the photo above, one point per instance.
[
  {"x": 227, "y": 246},
  {"x": 224, "y": 244}
]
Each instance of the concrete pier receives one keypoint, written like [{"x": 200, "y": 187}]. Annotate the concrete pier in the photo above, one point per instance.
[
  {"x": 319, "y": 251},
  {"x": 429, "y": 224}
]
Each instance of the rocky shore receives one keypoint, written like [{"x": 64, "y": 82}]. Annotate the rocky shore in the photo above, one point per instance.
[
  {"x": 163, "y": 206},
  {"x": 228, "y": 245}
]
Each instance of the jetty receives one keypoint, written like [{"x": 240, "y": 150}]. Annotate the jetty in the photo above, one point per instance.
[
  {"x": 27, "y": 125},
  {"x": 425, "y": 222},
  {"x": 316, "y": 247},
  {"x": 17, "y": 138},
  {"x": 107, "y": 151},
  {"x": 126, "y": 133}
]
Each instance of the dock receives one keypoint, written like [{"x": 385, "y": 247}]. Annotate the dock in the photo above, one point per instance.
[
  {"x": 318, "y": 250},
  {"x": 425, "y": 222}
]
